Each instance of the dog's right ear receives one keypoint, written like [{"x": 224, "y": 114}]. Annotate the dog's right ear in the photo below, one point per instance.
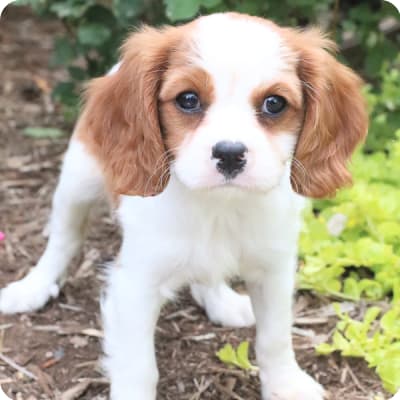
[
  {"x": 335, "y": 119},
  {"x": 120, "y": 122}
]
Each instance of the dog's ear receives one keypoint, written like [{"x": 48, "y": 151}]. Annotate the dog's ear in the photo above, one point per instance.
[
  {"x": 335, "y": 119},
  {"x": 120, "y": 120}
]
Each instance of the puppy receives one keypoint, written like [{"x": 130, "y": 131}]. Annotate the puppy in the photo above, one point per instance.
[{"x": 207, "y": 137}]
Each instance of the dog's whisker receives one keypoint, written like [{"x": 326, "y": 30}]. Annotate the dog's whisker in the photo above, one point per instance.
[{"x": 160, "y": 165}]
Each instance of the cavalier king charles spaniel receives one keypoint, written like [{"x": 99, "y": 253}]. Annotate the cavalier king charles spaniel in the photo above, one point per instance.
[{"x": 206, "y": 138}]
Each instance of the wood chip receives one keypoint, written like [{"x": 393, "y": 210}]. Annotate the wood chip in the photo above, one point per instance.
[
  {"x": 71, "y": 307},
  {"x": 5, "y": 381},
  {"x": 87, "y": 266},
  {"x": 69, "y": 330},
  {"x": 355, "y": 379},
  {"x": 311, "y": 321},
  {"x": 186, "y": 314},
  {"x": 5, "y": 326},
  {"x": 227, "y": 391},
  {"x": 45, "y": 381},
  {"x": 92, "y": 332},
  {"x": 303, "y": 332},
  {"x": 201, "y": 338},
  {"x": 79, "y": 341},
  {"x": 76, "y": 391}
]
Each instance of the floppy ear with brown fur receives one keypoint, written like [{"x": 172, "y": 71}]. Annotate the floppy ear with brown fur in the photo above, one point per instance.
[
  {"x": 335, "y": 119},
  {"x": 120, "y": 123}
]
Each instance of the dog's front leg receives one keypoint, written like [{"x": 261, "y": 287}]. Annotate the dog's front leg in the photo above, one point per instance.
[
  {"x": 271, "y": 292},
  {"x": 130, "y": 311}
]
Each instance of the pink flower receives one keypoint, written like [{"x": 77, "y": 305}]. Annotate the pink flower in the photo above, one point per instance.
[{"x": 2, "y": 236}]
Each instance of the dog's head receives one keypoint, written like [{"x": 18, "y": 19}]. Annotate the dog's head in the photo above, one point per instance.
[{"x": 227, "y": 100}]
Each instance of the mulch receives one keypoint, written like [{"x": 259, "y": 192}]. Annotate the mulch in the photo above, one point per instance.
[{"x": 56, "y": 353}]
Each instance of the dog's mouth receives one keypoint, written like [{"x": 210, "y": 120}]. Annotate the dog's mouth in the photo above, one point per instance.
[
  {"x": 234, "y": 185},
  {"x": 245, "y": 181}
]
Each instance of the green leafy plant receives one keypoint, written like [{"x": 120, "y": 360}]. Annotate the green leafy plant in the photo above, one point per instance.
[
  {"x": 350, "y": 249},
  {"x": 237, "y": 357},
  {"x": 363, "y": 258},
  {"x": 384, "y": 103},
  {"x": 375, "y": 340}
]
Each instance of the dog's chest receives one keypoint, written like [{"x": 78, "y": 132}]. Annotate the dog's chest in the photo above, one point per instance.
[
  {"x": 205, "y": 241},
  {"x": 214, "y": 247}
]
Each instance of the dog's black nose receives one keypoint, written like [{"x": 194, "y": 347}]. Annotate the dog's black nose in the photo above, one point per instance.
[{"x": 230, "y": 156}]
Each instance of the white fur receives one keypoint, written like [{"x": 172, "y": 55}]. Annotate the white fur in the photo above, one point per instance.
[
  {"x": 218, "y": 40},
  {"x": 192, "y": 234},
  {"x": 219, "y": 301}
]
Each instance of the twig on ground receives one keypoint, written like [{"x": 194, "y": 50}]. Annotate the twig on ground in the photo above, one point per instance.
[
  {"x": 76, "y": 391},
  {"x": 355, "y": 379},
  {"x": 201, "y": 389},
  {"x": 225, "y": 390},
  {"x": 17, "y": 367}
]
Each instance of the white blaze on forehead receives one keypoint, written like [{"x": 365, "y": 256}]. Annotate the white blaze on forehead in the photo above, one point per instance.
[{"x": 239, "y": 53}]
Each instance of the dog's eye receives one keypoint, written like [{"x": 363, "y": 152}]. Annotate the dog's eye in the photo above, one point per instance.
[
  {"x": 188, "y": 102},
  {"x": 274, "y": 105}
]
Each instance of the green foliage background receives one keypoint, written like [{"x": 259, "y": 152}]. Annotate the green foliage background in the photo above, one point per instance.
[{"x": 350, "y": 247}]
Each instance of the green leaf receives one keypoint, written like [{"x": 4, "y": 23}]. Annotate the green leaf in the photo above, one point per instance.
[
  {"x": 65, "y": 92},
  {"x": 340, "y": 342},
  {"x": 78, "y": 74},
  {"x": 238, "y": 358},
  {"x": 43, "y": 133},
  {"x": 227, "y": 355},
  {"x": 370, "y": 316},
  {"x": 243, "y": 356},
  {"x": 325, "y": 349},
  {"x": 389, "y": 371},
  {"x": 351, "y": 288},
  {"x": 101, "y": 15},
  {"x": 64, "y": 51},
  {"x": 70, "y": 9},
  {"x": 390, "y": 323},
  {"x": 128, "y": 9},
  {"x": 93, "y": 34},
  {"x": 210, "y": 3},
  {"x": 179, "y": 10}
]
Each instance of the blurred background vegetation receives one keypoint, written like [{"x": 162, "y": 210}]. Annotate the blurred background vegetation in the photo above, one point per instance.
[
  {"x": 350, "y": 249},
  {"x": 368, "y": 33}
]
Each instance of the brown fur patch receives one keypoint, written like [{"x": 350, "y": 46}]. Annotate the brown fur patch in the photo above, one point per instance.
[
  {"x": 289, "y": 121},
  {"x": 177, "y": 124},
  {"x": 120, "y": 122},
  {"x": 335, "y": 120}
]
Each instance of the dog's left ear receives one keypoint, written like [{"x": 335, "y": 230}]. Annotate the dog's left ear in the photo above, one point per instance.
[
  {"x": 120, "y": 122},
  {"x": 335, "y": 119}
]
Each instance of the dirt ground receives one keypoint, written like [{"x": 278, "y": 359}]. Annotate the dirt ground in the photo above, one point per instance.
[{"x": 61, "y": 344}]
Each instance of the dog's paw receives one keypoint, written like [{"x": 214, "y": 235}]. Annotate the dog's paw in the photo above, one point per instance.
[
  {"x": 26, "y": 295},
  {"x": 292, "y": 385},
  {"x": 224, "y": 306},
  {"x": 234, "y": 312}
]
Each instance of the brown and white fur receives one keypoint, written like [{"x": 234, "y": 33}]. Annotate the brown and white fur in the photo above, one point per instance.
[{"x": 191, "y": 214}]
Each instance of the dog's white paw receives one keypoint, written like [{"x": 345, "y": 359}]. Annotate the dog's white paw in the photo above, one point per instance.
[
  {"x": 28, "y": 294},
  {"x": 132, "y": 393},
  {"x": 235, "y": 311},
  {"x": 224, "y": 306},
  {"x": 291, "y": 385}
]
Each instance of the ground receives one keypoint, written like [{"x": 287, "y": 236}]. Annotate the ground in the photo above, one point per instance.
[{"x": 61, "y": 344}]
